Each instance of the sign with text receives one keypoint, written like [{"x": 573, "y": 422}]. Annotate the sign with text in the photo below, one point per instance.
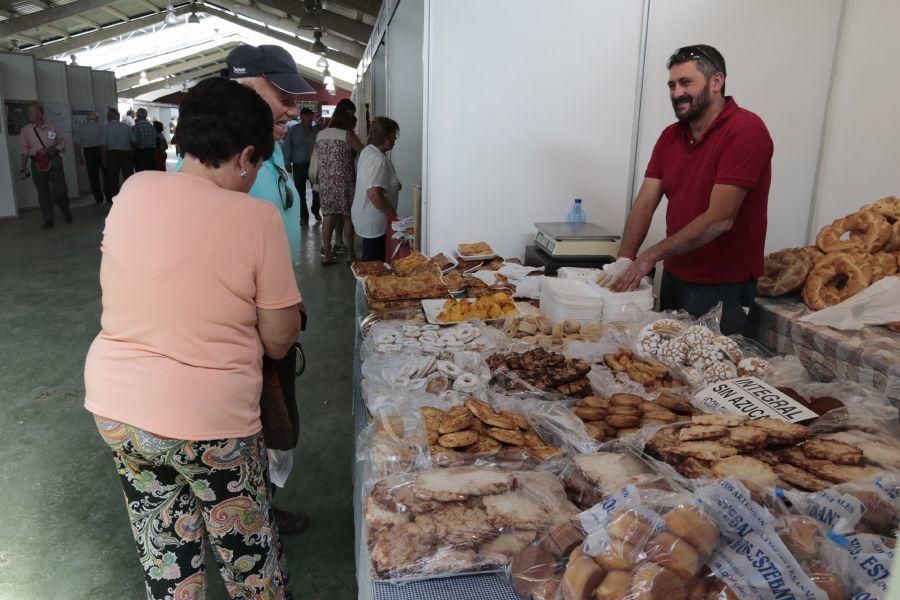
[{"x": 752, "y": 398}]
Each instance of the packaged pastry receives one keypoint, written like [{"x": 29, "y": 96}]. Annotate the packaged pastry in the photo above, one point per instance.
[{"x": 440, "y": 522}]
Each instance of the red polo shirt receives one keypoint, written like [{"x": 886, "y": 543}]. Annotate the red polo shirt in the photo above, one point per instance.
[{"x": 737, "y": 150}]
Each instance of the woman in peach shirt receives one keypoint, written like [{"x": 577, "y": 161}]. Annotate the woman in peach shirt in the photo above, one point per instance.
[{"x": 197, "y": 284}]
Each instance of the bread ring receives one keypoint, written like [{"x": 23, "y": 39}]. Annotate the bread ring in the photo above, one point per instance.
[
  {"x": 874, "y": 231},
  {"x": 785, "y": 271},
  {"x": 412, "y": 331},
  {"x": 835, "y": 278},
  {"x": 884, "y": 264},
  {"x": 390, "y": 337},
  {"x": 449, "y": 368},
  {"x": 467, "y": 382},
  {"x": 889, "y": 208}
]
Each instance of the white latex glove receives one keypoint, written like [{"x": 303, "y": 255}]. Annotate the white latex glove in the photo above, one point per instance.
[{"x": 611, "y": 271}]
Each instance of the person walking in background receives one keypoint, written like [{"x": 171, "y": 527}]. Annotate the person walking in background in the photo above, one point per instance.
[
  {"x": 159, "y": 156},
  {"x": 297, "y": 149},
  {"x": 129, "y": 118},
  {"x": 143, "y": 138},
  {"x": 116, "y": 153},
  {"x": 377, "y": 188},
  {"x": 337, "y": 177},
  {"x": 88, "y": 140},
  {"x": 40, "y": 143},
  {"x": 174, "y": 377}
]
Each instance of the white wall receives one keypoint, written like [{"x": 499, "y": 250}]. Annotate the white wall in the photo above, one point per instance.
[
  {"x": 19, "y": 83},
  {"x": 404, "y": 94},
  {"x": 105, "y": 95},
  {"x": 776, "y": 73},
  {"x": 499, "y": 158},
  {"x": 861, "y": 157},
  {"x": 379, "y": 83},
  {"x": 81, "y": 99},
  {"x": 7, "y": 195},
  {"x": 53, "y": 93}
]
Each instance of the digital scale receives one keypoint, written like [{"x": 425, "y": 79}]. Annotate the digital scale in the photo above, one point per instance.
[{"x": 576, "y": 240}]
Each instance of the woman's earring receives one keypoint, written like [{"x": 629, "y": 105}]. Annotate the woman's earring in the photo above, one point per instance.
[{"x": 243, "y": 174}]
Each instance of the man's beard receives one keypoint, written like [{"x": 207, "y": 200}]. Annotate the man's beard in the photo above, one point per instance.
[{"x": 696, "y": 107}]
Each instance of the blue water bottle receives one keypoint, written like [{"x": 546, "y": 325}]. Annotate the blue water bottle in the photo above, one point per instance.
[{"x": 576, "y": 215}]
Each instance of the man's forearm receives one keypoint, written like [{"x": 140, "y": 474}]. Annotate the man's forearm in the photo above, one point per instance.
[
  {"x": 380, "y": 202},
  {"x": 636, "y": 229},
  {"x": 699, "y": 232},
  {"x": 24, "y": 161}
]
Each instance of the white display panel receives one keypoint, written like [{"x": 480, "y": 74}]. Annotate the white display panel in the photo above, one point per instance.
[
  {"x": 7, "y": 195},
  {"x": 779, "y": 57},
  {"x": 862, "y": 144},
  {"x": 19, "y": 86},
  {"x": 500, "y": 154},
  {"x": 105, "y": 95},
  {"x": 53, "y": 93},
  {"x": 404, "y": 89},
  {"x": 81, "y": 99}
]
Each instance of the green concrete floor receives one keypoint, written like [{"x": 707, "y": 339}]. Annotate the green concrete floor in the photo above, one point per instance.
[{"x": 64, "y": 532}]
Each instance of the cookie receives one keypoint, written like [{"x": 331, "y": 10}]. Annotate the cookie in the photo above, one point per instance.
[
  {"x": 479, "y": 407},
  {"x": 693, "y": 468},
  {"x": 625, "y": 400},
  {"x": 499, "y": 421},
  {"x": 746, "y": 469},
  {"x": 836, "y": 452},
  {"x": 701, "y": 432},
  {"x": 456, "y": 421},
  {"x": 543, "y": 452},
  {"x": 587, "y": 413},
  {"x": 517, "y": 419},
  {"x": 632, "y": 411},
  {"x": 844, "y": 473},
  {"x": 507, "y": 436},
  {"x": 723, "y": 420},
  {"x": 593, "y": 401},
  {"x": 485, "y": 446},
  {"x": 782, "y": 432},
  {"x": 623, "y": 421},
  {"x": 458, "y": 439},
  {"x": 703, "y": 450},
  {"x": 797, "y": 477},
  {"x": 674, "y": 403},
  {"x": 745, "y": 437}
]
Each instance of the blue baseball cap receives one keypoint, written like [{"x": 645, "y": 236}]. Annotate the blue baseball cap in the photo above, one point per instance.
[{"x": 273, "y": 62}]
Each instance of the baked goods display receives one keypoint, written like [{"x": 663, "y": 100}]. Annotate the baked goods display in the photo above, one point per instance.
[
  {"x": 428, "y": 338},
  {"x": 443, "y": 262},
  {"x": 474, "y": 249},
  {"x": 456, "y": 520},
  {"x": 493, "y": 306},
  {"x": 362, "y": 269},
  {"x": 413, "y": 264},
  {"x": 651, "y": 374},
  {"x": 537, "y": 329},
  {"x": 761, "y": 453},
  {"x": 623, "y": 414},
  {"x": 785, "y": 271},
  {"x": 476, "y": 430},
  {"x": 463, "y": 372},
  {"x": 544, "y": 370},
  {"x": 851, "y": 254},
  {"x": 414, "y": 287},
  {"x": 701, "y": 355},
  {"x": 592, "y": 478}
]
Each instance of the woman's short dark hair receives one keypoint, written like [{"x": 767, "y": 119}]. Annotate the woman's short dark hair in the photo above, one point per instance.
[
  {"x": 218, "y": 118},
  {"x": 381, "y": 130},
  {"x": 344, "y": 115}
]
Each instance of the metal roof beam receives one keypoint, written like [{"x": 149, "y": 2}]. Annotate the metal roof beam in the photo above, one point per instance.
[
  {"x": 115, "y": 13},
  {"x": 131, "y": 81},
  {"x": 291, "y": 40},
  {"x": 172, "y": 81},
  {"x": 106, "y": 33},
  {"x": 44, "y": 17},
  {"x": 369, "y": 7},
  {"x": 289, "y": 25},
  {"x": 358, "y": 32}
]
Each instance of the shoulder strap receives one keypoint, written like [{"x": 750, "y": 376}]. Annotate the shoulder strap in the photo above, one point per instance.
[{"x": 37, "y": 135}]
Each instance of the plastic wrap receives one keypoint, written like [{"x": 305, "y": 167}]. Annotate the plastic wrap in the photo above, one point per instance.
[
  {"x": 538, "y": 330},
  {"x": 592, "y": 478},
  {"x": 394, "y": 442},
  {"x": 540, "y": 370},
  {"x": 550, "y": 419},
  {"x": 463, "y": 372},
  {"x": 637, "y": 544},
  {"x": 396, "y": 337},
  {"x": 621, "y": 415},
  {"x": 864, "y": 562},
  {"x": 440, "y": 522}
]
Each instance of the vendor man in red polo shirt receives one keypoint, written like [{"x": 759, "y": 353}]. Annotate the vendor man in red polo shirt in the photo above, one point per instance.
[{"x": 714, "y": 165}]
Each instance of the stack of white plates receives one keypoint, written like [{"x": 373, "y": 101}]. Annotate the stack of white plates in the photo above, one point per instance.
[
  {"x": 571, "y": 299},
  {"x": 626, "y": 306}
]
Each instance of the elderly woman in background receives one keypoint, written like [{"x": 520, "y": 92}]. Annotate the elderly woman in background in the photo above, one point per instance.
[
  {"x": 197, "y": 283},
  {"x": 377, "y": 187},
  {"x": 336, "y": 176}
]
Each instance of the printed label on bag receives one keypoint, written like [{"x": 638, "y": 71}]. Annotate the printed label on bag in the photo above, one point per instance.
[
  {"x": 868, "y": 563},
  {"x": 750, "y": 397},
  {"x": 729, "y": 503},
  {"x": 597, "y": 516}
]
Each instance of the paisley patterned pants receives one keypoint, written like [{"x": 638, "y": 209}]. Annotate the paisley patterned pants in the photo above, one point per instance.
[{"x": 182, "y": 495}]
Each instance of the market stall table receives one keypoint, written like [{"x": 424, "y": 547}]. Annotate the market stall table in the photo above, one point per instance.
[
  {"x": 488, "y": 585},
  {"x": 870, "y": 356}
]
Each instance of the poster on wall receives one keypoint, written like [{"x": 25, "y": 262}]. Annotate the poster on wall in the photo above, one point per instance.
[
  {"x": 310, "y": 104},
  {"x": 59, "y": 114},
  {"x": 16, "y": 115},
  {"x": 79, "y": 116}
]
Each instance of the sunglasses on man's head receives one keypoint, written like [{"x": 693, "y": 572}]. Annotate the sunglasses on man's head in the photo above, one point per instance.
[
  {"x": 287, "y": 197},
  {"x": 693, "y": 53}
]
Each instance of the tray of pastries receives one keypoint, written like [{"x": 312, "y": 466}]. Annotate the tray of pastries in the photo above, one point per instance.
[
  {"x": 475, "y": 251},
  {"x": 362, "y": 269},
  {"x": 390, "y": 288},
  {"x": 414, "y": 264}
]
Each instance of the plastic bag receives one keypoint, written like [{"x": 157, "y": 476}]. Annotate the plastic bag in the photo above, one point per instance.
[
  {"x": 592, "y": 478},
  {"x": 875, "y": 305},
  {"x": 864, "y": 563},
  {"x": 638, "y": 543},
  {"x": 281, "y": 463},
  {"x": 440, "y": 522},
  {"x": 395, "y": 337},
  {"x": 540, "y": 370},
  {"x": 551, "y": 420},
  {"x": 394, "y": 442}
]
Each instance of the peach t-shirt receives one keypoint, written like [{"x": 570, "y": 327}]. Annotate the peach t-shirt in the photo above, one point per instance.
[{"x": 185, "y": 266}]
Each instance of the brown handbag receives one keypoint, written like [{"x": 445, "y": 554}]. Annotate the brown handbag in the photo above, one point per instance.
[{"x": 278, "y": 403}]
